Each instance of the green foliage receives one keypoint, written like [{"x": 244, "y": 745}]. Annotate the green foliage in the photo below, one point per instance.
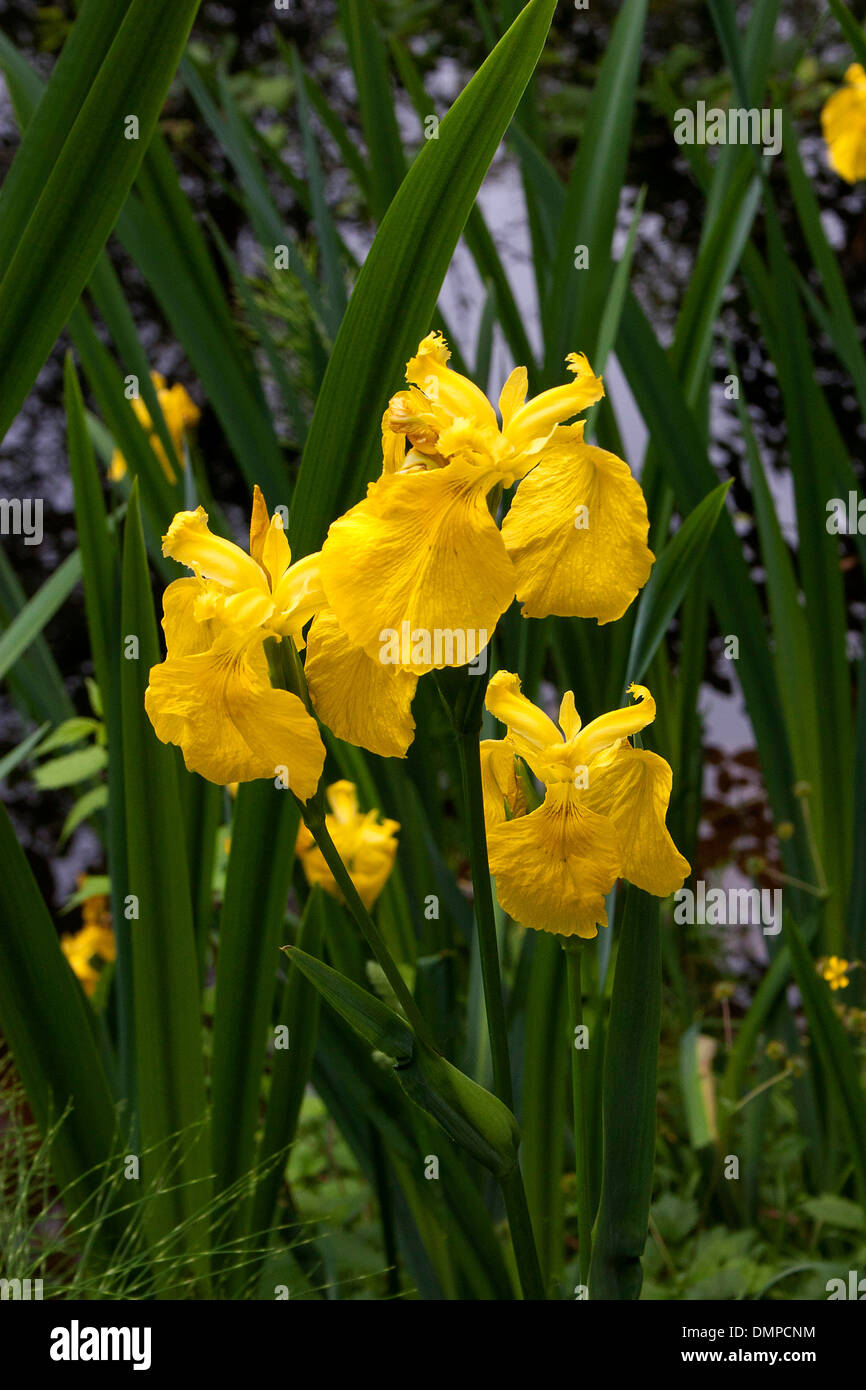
[{"x": 303, "y": 1166}]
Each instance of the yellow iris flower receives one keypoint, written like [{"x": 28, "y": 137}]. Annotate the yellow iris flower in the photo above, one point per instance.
[
  {"x": 843, "y": 121},
  {"x": 602, "y": 817},
  {"x": 93, "y": 942},
  {"x": 212, "y": 695},
  {"x": 180, "y": 413},
  {"x": 422, "y": 553},
  {"x": 366, "y": 845}
]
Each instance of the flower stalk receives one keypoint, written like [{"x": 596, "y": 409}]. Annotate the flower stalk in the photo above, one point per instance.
[
  {"x": 463, "y": 694},
  {"x": 314, "y": 820},
  {"x": 573, "y": 948}
]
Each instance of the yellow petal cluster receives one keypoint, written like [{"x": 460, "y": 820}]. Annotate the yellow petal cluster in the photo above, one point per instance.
[
  {"x": 212, "y": 695},
  {"x": 366, "y": 844},
  {"x": 423, "y": 554},
  {"x": 843, "y": 121},
  {"x": 180, "y": 413},
  {"x": 835, "y": 972},
  {"x": 90, "y": 948},
  {"x": 602, "y": 816}
]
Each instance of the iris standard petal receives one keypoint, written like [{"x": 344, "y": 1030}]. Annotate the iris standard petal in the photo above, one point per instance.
[
  {"x": 360, "y": 700},
  {"x": 513, "y": 395},
  {"x": 554, "y": 867},
  {"x": 632, "y": 786},
  {"x": 422, "y": 550},
  {"x": 259, "y": 524},
  {"x": 577, "y": 532},
  {"x": 276, "y": 555},
  {"x": 532, "y": 425}
]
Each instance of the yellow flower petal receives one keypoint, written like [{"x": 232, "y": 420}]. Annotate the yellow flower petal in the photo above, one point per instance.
[
  {"x": 513, "y": 395},
  {"x": 360, "y": 700},
  {"x": 278, "y": 729},
  {"x": 608, "y": 729},
  {"x": 190, "y": 541},
  {"x": 512, "y": 708},
  {"x": 499, "y": 782},
  {"x": 184, "y": 634},
  {"x": 532, "y": 734},
  {"x": 569, "y": 719},
  {"x": 843, "y": 121},
  {"x": 633, "y": 787},
  {"x": 575, "y": 563},
  {"x": 366, "y": 844},
  {"x": 299, "y": 594},
  {"x": 117, "y": 466},
  {"x": 259, "y": 524},
  {"x": 393, "y": 446},
  {"x": 422, "y": 550},
  {"x": 429, "y": 371},
  {"x": 276, "y": 555},
  {"x": 532, "y": 425},
  {"x": 342, "y": 797},
  {"x": 555, "y": 866},
  {"x": 179, "y": 410},
  {"x": 219, "y": 708}
]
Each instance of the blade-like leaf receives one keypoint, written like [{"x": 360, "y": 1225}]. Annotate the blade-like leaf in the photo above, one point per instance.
[
  {"x": 259, "y": 876},
  {"x": 85, "y": 190},
  {"x": 171, "y": 1088},
  {"x": 630, "y": 1066},
  {"x": 670, "y": 579},
  {"x": 395, "y": 296}
]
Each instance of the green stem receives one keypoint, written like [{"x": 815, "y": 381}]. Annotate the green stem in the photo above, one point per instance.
[
  {"x": 573, "y": 947},
  {"x": 473, "y": 800},
  {"x": 315, "y": 822},
  {"x": 287, "y": 673},
  {"x": 513, "y": 1191}
]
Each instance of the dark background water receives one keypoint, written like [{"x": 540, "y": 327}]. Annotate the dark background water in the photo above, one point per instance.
[{"x": 445, "y": 36}]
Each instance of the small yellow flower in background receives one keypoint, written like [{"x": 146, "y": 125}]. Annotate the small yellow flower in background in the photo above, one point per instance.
[
  {"x": 366, "y": 845},
  {"x": 180, "y": 413},
  {"x": 212, "y": 695},
  {"x": 93, "y": 942},
  {"x": 602, "y": 817},
  {"x": 843, "y": 121},
  {"x": 835, "y": 972},
  {"x": 423, "y": 554}
]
